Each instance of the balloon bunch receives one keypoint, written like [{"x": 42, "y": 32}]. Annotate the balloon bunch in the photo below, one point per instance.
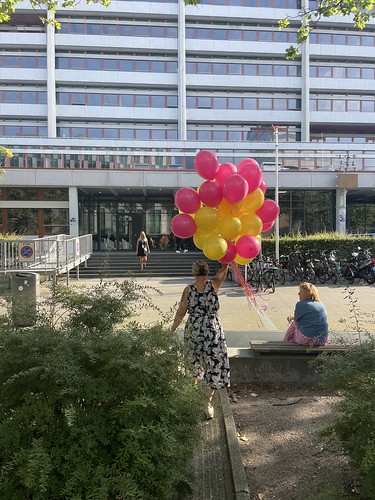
[{"x": 227, "y": 212}]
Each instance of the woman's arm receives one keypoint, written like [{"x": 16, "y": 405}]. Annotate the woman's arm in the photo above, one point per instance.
[
  {"x": 181, "y": 311},
  {"x": 220, "y": 276}
]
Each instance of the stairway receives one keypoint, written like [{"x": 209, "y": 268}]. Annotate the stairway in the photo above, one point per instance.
[{"x": 125, "y": 264}]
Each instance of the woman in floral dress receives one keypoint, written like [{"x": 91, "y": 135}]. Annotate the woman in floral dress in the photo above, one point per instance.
[{"x": 203, "y": 331}]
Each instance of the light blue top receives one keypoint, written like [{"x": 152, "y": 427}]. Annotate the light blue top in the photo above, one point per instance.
[{"x": 312, "y": 318}]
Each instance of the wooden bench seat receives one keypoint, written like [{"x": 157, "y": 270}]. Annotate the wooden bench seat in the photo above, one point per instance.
[{"x": 279, "y": 347}]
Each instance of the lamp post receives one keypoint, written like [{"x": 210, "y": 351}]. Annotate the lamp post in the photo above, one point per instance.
[{"x": 277, "y": 226}]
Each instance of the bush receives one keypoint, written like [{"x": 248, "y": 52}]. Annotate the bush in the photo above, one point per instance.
[
  {"x": 90, "y": 411},
  {"x": 315, "y": 243},
  {"x": 353, "y": 376}
]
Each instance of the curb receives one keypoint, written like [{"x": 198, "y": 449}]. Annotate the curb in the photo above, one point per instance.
[{"x": 241, "y": 488}]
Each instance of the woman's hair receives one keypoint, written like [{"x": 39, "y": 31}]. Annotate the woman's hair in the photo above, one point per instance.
[
  {"x": 200, "y": 268},
  {"x": 142, "y": 235},
  {"x": 310, "y": 290}
]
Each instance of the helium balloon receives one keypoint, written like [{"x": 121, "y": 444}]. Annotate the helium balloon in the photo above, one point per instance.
[
  {"x": 251, "y": 172},
  {"x": 225, "y": 170},
  {"x": 226, "y": 208},
  {"x": 215, "y": 248},
  {"x": 200, "y": 237},
  {"x": 247, "y": 161},
  {"x": 240, "y": 260},
  {"x": 183, "y": 226},
  {"x": 268, "y": 211},
  {"x": 253, "y": 201},
  {"x": 187, "y": 200},
  {"x": 235, "y": 188},
  {"x": 263, "y": 186},
  {"x": 207, "y": 218},
  {"x": 229, "y": 227},
  {"x": 251, "y": 224},
  {"x": 210, "y": 193},
  {"x": 206, "y": 164},
  {"x": 247, "y": 247},
  {"x": 267, "y": 226},
  {"x": 230, "y": 254}
]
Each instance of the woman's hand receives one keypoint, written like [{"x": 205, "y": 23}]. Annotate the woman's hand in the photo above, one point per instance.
[{"x": 290, "y": 318}]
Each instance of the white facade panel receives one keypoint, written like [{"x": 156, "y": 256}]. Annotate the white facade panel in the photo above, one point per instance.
[
  {"x": 116, "y": 77},
  {"x": 95, "y": 43},
  {"x": 115, "y": 113}
]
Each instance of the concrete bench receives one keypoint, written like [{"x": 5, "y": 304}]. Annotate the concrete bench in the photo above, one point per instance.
[{"x": 266, "y": 347}]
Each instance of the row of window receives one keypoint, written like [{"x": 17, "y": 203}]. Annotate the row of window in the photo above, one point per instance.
[
  {"x": 119, "y": 100},
  {"x": 253, "y": 34},
  {"x": 211, "y": 68},
  {"x": 342, "y": 72},
  {"x": 23, "y": 96},
  {"x": 113, "y": 29},
  {"x": 340, "y": 105}
]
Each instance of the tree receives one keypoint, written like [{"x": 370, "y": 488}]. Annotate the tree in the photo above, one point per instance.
[{"x": 361, "y": 10}]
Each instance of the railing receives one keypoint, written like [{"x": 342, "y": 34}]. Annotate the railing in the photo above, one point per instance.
[{"x": 54, "y": 254}]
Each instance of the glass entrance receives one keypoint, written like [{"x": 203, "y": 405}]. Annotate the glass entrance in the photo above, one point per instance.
[{"x": 116, "y": 225}]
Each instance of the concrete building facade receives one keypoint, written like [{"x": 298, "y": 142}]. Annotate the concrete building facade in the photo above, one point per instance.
[{"x": 104, "y": 116}]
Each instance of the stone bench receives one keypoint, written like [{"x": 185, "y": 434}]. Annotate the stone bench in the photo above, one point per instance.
[{"x": 277, "y": 347}]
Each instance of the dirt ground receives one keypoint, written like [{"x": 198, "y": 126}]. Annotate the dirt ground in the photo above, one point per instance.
[{"x": 282, "y": 455}]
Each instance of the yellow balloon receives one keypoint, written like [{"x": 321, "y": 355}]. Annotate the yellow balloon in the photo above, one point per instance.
[
  {"x": 226, "y": 208},
  {"x": 229, "y": 227},
  {"x": 200, "y": 237},
  {"x": 207, "y": 218},
  {"x": 240, "y": 260},
  {"x": 215, "y": 248},
  {"x": 251, "y": 224},
  {"x": 253, "y": 201},
  {"x": 259, "y": 238}
]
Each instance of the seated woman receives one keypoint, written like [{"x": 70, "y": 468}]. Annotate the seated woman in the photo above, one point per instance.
[{"x": 309, "y": 325}]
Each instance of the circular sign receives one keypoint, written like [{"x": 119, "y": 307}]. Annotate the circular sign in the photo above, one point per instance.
[{"x": 27, "y": 251}]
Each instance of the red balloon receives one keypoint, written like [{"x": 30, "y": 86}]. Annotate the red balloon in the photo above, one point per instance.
[
  {"x": 206, "y": 164},
  {"x": 210, "y": 193},
  {"x": 248, "y": 247},
  {"x": 268, "y": 211},
  {"x": 183, "y": 226},
  {"x": 263, "y": 186},
  {"x": 267, "y": 226},
  {"x": 187, "y": 200},
  {"x": 225, "y": 170},
  {"x": 251, "y": 171},
  {"x": 235, "y": 188},
  {"x": 230, "y": 254}
]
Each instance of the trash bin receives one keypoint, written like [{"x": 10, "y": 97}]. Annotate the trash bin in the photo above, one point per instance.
[{"x": 24, "y": 290}]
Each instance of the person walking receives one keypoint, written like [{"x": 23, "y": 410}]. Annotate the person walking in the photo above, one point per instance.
[
  {"x": 309, "y": 324},
  {"x": 203, "y": 332},
  {"x": 143, "y": 249}
]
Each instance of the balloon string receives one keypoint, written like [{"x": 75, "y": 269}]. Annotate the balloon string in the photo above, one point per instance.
[{"x": 250, "y": 294}]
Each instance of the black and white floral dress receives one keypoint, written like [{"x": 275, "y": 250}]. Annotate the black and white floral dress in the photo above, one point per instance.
[{"x": 205, "y": 337}]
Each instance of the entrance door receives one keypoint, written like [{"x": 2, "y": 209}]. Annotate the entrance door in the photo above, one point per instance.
[{"x": 138, "y": 225}]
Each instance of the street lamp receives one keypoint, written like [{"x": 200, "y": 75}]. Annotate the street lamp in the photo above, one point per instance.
[{"x": 277, "y": 226}]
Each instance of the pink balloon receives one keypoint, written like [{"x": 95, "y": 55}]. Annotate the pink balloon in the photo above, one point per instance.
[
  {"x": 263, "y": 186},
  {"x": 230, "y": 254},
  {"x": 183, "y": 226},
  {"x": 267, "y": 226},
  {"x": 225, "y": 170},
  {"x": 251, "y": 171},
  {"x": 268, "y": 211},
  {"x": 248, "y": 247},
  {"x": 206, "y": 164},
  {"x": 235, "y": 188},
  {"x": 187, "y": 200},
  {"x": 210, "y": 193}
]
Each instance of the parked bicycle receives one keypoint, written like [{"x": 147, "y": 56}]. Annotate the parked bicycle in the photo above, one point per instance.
[{"x": 328, "y": 267}]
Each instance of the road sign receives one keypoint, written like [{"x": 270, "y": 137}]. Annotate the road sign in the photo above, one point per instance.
[{"x": 26, "y": 251}]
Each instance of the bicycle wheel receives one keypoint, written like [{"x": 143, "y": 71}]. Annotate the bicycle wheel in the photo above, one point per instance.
[
  {"x": 310, "y": 275},
  {"x": 321, "y": 275},
  {"x": 280, "y": 276},
  {"x": 268, "y": 278}
]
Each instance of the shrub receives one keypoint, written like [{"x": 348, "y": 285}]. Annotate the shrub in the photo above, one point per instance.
[
  {"x": 353, "y": 376},
  {"x": 92, "y": 410}
]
